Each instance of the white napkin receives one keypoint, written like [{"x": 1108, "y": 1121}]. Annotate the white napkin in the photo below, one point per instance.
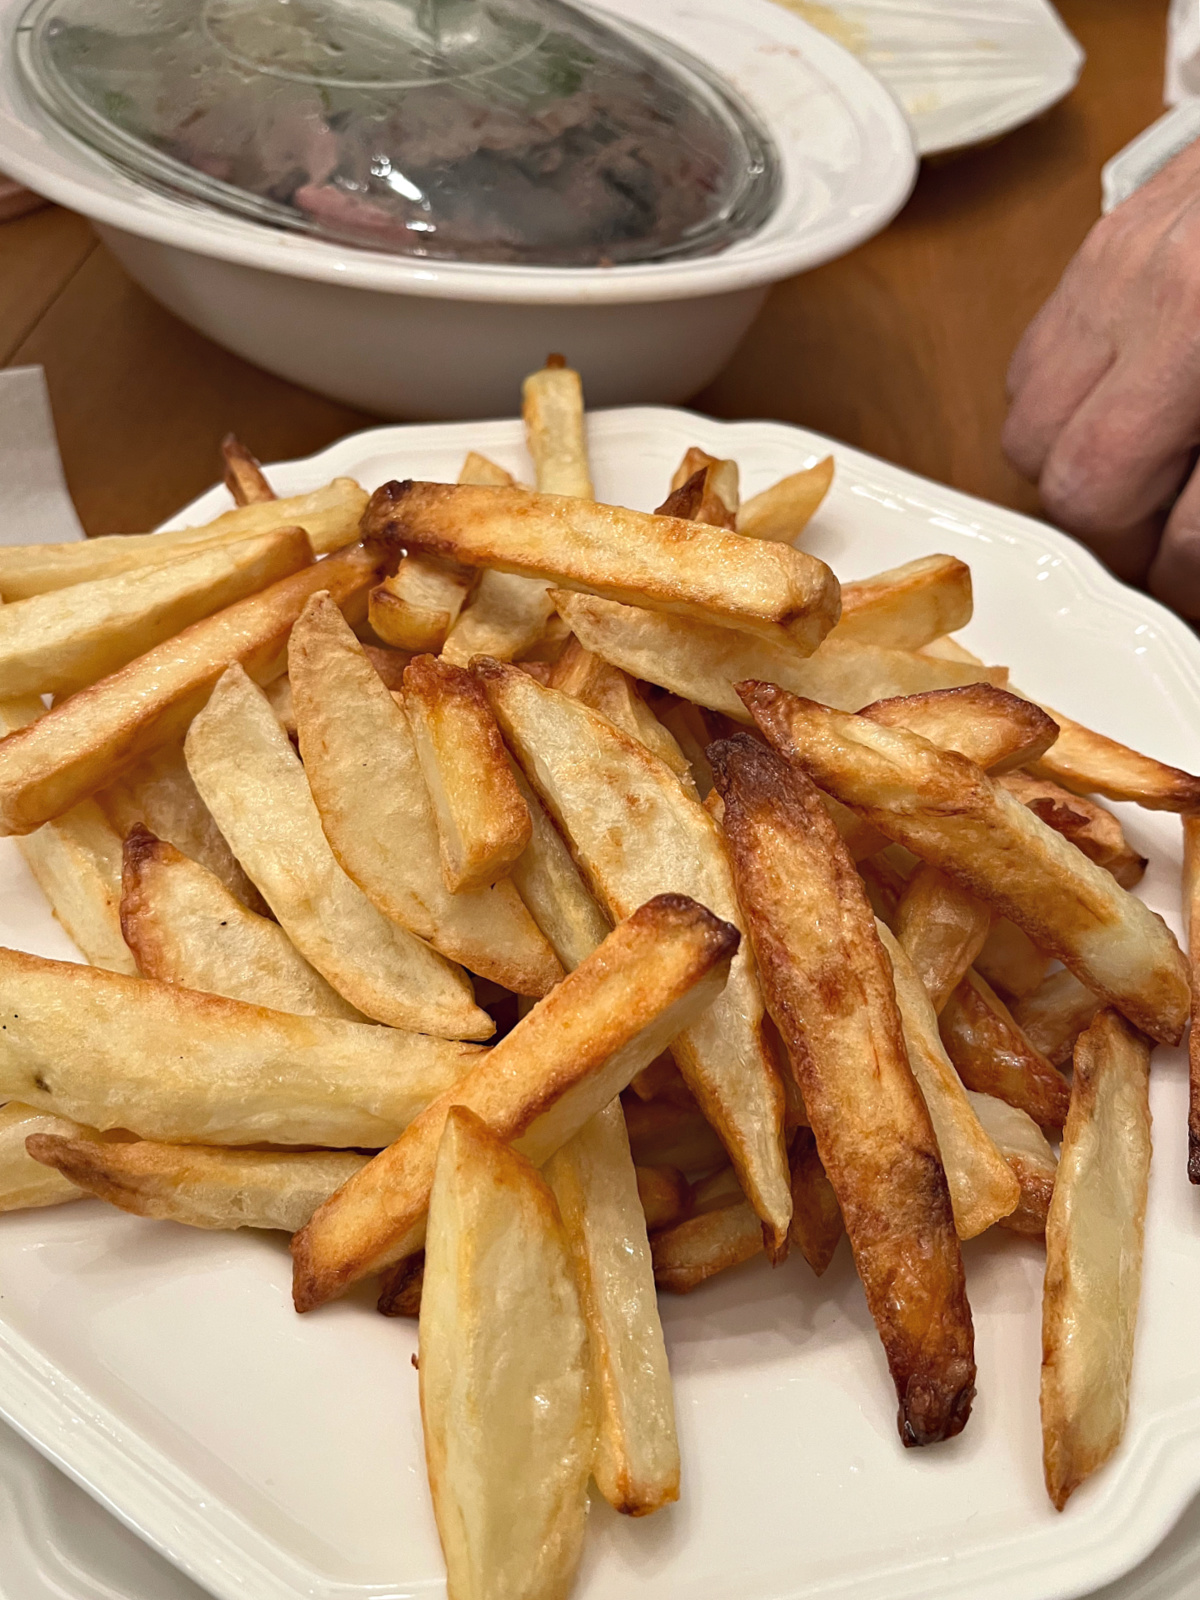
[{"x": 35, "y": 507}]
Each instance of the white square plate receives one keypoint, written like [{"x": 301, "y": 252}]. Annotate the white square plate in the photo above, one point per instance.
[{"x": 275, "y": 1456}]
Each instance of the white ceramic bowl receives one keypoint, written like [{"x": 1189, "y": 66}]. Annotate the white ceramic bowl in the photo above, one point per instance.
[{"x": 409, "y": 338}]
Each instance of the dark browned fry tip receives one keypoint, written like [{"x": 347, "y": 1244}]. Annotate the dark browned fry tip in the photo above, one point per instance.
[
  {"x": 378, "y": 520},
  {"x": 488, "y": 668},
  {"x": 931, "y": 1412},
  {"x": 51, "y": 1149},
  {"x": 1193, "y": 1155},
  {"x": 682, "y": 910},
  {"x": 685, "y": 501},
  {"x": 400, "y": 1293},
  {"x": 140, "y": 845},
  {"x": 775, "y": 1245},
  {"x": 311, "y": 1289},
  {"x": 555, "y": 361}
]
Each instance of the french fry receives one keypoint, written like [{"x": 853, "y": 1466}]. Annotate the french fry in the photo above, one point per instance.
[
  {"x": 696, "y": 1249},
  {"x": 612, "y": 693},
  {"x": 948, "y": 811},
  {"x": 704, "y": 497},
  {"x": 279, "y": 698},
  {"x": 244, "y": 476},
  {"x": 907, "y": 606},
  {"x": 187, "y": 1068},
  {"x": 942, "y": 929},
  {"x": 829, "y": 985},
  {"x": 993, "y": 1055},
  {"x": 665, "y": 1196},
  {"x": 1191, "y": 912},
  {"x": 592, "y": 1177},
  {"x": 663, "y": 1133},
  {"x": 1053, "y": 1015},
  {"x": 200, "y": 1186},
  {"x": 330, "y": 517},
  {"x": 24, "y": 1182},
  {"x": 996, "y": 729},
  {"x": 635, "y": 833},
  {"x": 666, "y": 563},
  {"x": 1011, "y": 962},
  {"x": 482, "y": 821},
  {"x": 416, "y": 607},
  {"x": 90, "y": 739},
  {"x": 561, "y": 1064},
  {"x": 362, "y": 769},
  {"x": 727, "y": 482},
  {"x": 662, "y": 1080},
  {"x": 506, "y": 1403},
  {"x": 184, "y": 927},
  {"x": 1090, "y": 827},
  {"x": 253, "y": 783},
  {"x": 1028, "y": 1152},
  {"x": 1094, "y": 1255},
  {"x": 687, "y": 725},
  {"x": 701, "y": 662},
  {"x": 555, "y": 430},
  {"x": 1089, "y": 763},
  {"x": 550, "y": 884},
  {"x": 817, "y": 1225},
  {"x": 783, "y": 511},
  {"x": 400, "y": 1293}
]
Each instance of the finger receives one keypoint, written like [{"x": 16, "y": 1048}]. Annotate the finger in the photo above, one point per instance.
[
  {"x": 1057, "y": 365},
  {"x": 1175, "y": 575},
  {"x": 1128, "y": 553}
]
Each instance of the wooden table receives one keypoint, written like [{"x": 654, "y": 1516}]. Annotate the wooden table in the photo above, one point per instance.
[{"x": 899, "y": 348}]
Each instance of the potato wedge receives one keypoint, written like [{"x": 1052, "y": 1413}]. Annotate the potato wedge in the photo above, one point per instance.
[
  {"x": 996, "y": 729},
  {"x": 416, "y": 607},
  {"x": 696, "y": 1249},
  {"x": 482, "y": 820},
  {"x": 184, "y": 927},
  {"x": 665, "y": 1196},
  {"x": 593, "y": 1179},
  {"x": 829, "y": 986},
  {"x": 550, "y": 884},
  {"x": 90, "y": 739},
  {"x": 24, "y": 1182},
  {"x": 817, "y": 1225},
  {"x": 663, "y": 1133},
  {"x": 362, "y": 769},
  {"x": 1094, "y": 1255},
  {"x": 701, "y": 662},
  {"x": 244, "y": 476},
  {"x": 942, "y": 929},
  {"x": 188, "y": 1068},
  {"x": 993, "y": 1055},
  {"x": 561, "y": 1064},
  {"x": 635, "y": 833},
  {"x": 907, "y": 606},
  {"x": 555, "y": 430},
  {"x": 330, "y": 517},
  {"x": 1191, "y": 913},
  {"x": 947, "y": 810},
  {"x": 665, "y": 563},
  {"x": 784, "y": 510},
  {"x": 1054, "y": 1015},
  {"x": 611, "y": 692},
  {"x": 1090, "y": 827},
  {"x": 253, "y": 783},
  {"x": 506, "y": 1402},
  {"x": 1011, "y": 962},
  {"x": 1028, "y": 1152}
]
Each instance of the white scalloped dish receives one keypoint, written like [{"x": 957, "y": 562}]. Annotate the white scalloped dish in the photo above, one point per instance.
[{"x": 280, "y": 1457}]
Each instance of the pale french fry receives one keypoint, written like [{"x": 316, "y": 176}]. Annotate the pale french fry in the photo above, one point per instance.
[
  {"x": 91, "y": 738},
  {"x": 187, "y": 1068},
  {"x": 244, "y": 476},
  {"x": 666, "y": 563},
  {"x": 817, "y": 1225},
  {"x": 705, "y": 495},
  {"x": 561, "y": 1064},
  {"x": 907, "y": 606},
  {"x": 942, "y": 929},
  {"x": 947, "y": 810},
  {"x": 1090, "y": 827},
  {"x": 1028, "y": 1152},
  {"x": 253, "y": 783},
  {"x": 996, "y": 729},
  {"x": 417, "y": 606},
  {"x": 1053, "y": 1015},
  {"x": 725, "y": 480},
  {"x": 1011, "y": 962},
  {"x": 635, "y": 833},
  {"x": 330, "y": 517},
  {"x": 362, "y": 769},
  {"x": 279, "y": 698},
  {"x": 1191, "y": 913},
  {"x": 592, "y": 1177},
  {"x": 665, "y": 1195},
  {"x": 507, "y": 1411},
  {"x": 24, "y": 1182},
  {"x": 702, "y": 662},
  {"x": 200, "y": 1186},
  {"x": 785, "y": 509},
  {"x": 552, "y": 407},
  {"x": 550, "y": 884},
  {"x": 993, "y": 1055},
  {"x": 482, "y": 821},
  {"x": 1094, "y": 1255},
  {"x": 184, "y": 927},
  {"x": 829, "y": 985},
  {"x": 479, "y": 470},
  {"x": 696, "y": 1249},
  {"x": 611, "y": 692}
]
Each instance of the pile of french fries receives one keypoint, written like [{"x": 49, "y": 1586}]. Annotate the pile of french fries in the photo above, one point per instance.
[{"x": 532, "y": 903}]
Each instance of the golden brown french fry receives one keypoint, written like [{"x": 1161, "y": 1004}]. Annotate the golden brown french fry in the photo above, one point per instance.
[
  {"x": 330, "y": 517},
  {"x": 1028, "y": 1152},
  {"x": 1094, "y": 1255},
  {"x": 362, "y": 769},
  {"x": 244, "y": 476},
  {"x": 416, "y": 607},
  {"x": 942, "y": 929},
  {"x": 592, "y": 1177},
  {"x": 704, "y": 496},
  {"x": 635, "y": 833},
  {"x": 907, "y": 606},
  {"x": 702, "y": 662},
  {"x": 482, "y": 820},
  {"x": 506, "y": 1405},
  {"x": 1011, "y": 962},
  {"x": 947, "y": 810},
  {"x": 90, "y": 739},
  {"x": 184, "y": 927},
  {"x": 188, "y": 1068},
  {"x": 993, "y": 1055},
  {"x": 996, "y": 729},
  {"x": 696, "y": 1249},
  {"x": 829, "y": 986},
  {"x": 24, "y": 1182},
  {"x": 561, "y": 1064},
  {"x": 784, "y": 510},
  {"x": 725, "y": 482},
  {"x": 666, "y": 563},
  {"x": 1089, "y": 763},
  {"x": 1090, "y": 827},
  {"x": 665, "y": 1196},
  {"x": 201, "y": 1186},
  {"x": 611, "y": 692},
  {"x": 254, "y": 784},
  {"x": 550, "y": 884},
  {"x": 552, "y": 407},
  {"x": 1191, "y": 913},
  {"x": 1053, "y": 1015},
  {"x": 817, "y": 1225}
]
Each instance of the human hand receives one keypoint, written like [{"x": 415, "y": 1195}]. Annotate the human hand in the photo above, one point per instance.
[{"x": 1105, "y": 389}]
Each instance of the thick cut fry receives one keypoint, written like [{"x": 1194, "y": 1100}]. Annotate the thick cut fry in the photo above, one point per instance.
[
  {"x": 947, "y": 810},
  {"x": 91, "y": 738},
  {"x": 330, "y": 517},
  {"x": 1094, "y": 1255},
  {"x": 695, "y": 1250},
  {"x": 942, "y": 929},
  {"x": 189, "y": 1068},
  {"x": 253, "y": 783},
  {"x": 417, "y": 606},
  {"x": 663, "y": 1133},
  {"x": 996, "y": 729},
  {"x": 506, "y": 1402},
  {"x": 1089, "y": 763},
  {"x": 204, "y": 1187},
  {"x": 701, "y": 662},
  {"x": 593, "y": 1179},
  {"x": 550, "y": 884},
  {"x": 993, "y": 1055},
  {"x": 1090, "y": 827},
  {"x": 1191, "y": 912},
  {"x": 482, "y": 820},
  {"x": 1054, "y": 1014},
  {"x": 635, "y": 833},
  {"x": 57, "y": 643},
  {"x": 561, "y": 1064},
  {"x": 665, "y": 1196},
  {"x": 552, "y": 406},
  {"x": 362, "y": 769},
  {"x": 784, "y": 510},
  {"x": 1011, "y": 962},
  {"x": 184, "y": 927},
  {"x": 829, "y": 986},
  {"x": 907, "y": 606},
  {"x": 244, "y": 476},
  {"x": 666, "y": 563},
  {"x": 611, "y": 692},
  {"x": 24, "y": 1182},
  {"x": 1028, "y": 1152},
  {"x": 817, "y": 1224}
]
